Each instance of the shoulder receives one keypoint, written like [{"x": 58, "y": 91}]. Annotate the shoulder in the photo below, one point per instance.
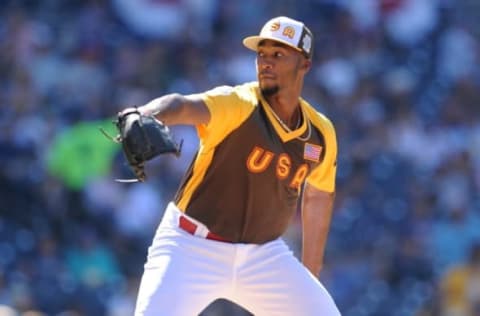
[
  {"x": 318, "y": 119},
  {"x": 229, "y": 106},
  {"x": 231, "y": 99},
  {"x": 246, "y": 91}
]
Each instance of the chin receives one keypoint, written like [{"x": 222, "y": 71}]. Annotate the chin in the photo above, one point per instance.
[{"x": 269, "y": 90}]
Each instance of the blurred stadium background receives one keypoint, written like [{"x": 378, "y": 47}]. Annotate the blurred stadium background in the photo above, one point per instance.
[{"x": 399, "y": 79}]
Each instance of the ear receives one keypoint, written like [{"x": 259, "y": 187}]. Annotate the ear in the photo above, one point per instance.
[{"x": 306, "y": 64}]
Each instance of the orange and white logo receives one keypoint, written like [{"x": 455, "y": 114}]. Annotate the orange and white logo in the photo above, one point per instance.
[
  {"x": 289, "y": 32},
  {"x": 274, "y": 26}
]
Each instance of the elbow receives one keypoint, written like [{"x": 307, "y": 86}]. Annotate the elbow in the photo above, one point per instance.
[
  {"x": 175, "y": 110},
  {"x": 177, "y": 103}
]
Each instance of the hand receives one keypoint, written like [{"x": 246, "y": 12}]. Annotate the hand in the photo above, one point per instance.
[{"x": 131, "y": 109}]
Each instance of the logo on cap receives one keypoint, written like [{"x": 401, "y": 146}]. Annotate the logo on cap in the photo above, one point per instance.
[
  {"x": 289, "y": 32},
  {"x": 307, "y": 43},
  {"x": 275, "y": 26}
]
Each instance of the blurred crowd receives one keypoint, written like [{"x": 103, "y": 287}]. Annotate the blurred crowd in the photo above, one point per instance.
[{"x": 398, "y": 78}]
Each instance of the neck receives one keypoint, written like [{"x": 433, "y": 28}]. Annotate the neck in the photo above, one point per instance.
[
  {"x": 288, "y": 113},
  {"x": 285, "y": 103},
  {"x": 286, "y": 108}
]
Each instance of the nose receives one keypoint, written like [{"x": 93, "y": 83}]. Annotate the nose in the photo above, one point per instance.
[
  {"x": 267, "y": 66},
  {"x": 264, "y": 63}
]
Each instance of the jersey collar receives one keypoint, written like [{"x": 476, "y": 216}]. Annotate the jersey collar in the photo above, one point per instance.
[{"x": 285, "y": 136}]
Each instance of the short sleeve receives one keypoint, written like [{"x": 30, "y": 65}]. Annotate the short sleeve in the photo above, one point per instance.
[
  {"x": 228, "y": 107},
  {"x": 323, "y": 176}
]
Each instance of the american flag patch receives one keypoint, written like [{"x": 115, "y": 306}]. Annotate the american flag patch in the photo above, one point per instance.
[{"x": 312, "y": 152}]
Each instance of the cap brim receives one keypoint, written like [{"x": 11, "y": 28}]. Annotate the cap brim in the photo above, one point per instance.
[{"x": 251, "y": 42}]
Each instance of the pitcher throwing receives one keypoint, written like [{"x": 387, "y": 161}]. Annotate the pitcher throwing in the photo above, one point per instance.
[{"x": 263, "y": 149}]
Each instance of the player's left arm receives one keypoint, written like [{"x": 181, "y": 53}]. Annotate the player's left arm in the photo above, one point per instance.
[
  {"x": 318, "y": 199},
  {"x": 317, "y": 208}
]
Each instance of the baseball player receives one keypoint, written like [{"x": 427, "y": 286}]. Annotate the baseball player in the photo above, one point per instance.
[{"x": 263, "y": 149}]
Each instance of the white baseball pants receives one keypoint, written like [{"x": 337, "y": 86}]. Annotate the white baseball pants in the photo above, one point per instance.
[{"x": 184, "y": 273}]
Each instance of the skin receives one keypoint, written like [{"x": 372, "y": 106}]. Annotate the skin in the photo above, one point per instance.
[
  {"x": 280, "y": 73},
  {"x": 282, "y": 68}
]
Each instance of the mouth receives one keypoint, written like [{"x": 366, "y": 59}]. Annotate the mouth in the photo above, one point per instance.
[{"x": 267, "y": 75}]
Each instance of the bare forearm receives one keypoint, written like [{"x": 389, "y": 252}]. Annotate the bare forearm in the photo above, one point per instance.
[
  {"x": 173, "y": 109},
  {"x": 316, "y": 218},
  {"x": 167, "y": 108}
]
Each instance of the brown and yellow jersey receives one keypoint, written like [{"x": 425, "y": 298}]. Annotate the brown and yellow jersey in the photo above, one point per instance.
[{"x": 245, "y": 180}]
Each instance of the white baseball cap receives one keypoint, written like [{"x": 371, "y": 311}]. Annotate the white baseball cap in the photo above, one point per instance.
[{"x": 284, "y": 30}]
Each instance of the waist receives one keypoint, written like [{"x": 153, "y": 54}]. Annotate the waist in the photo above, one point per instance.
[
  {"x": 247, "y": 227},
  {"x": 175, "y": 217}
]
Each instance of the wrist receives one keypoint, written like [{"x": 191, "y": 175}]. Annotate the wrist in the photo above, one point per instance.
[{"x": 144, "y": 110}]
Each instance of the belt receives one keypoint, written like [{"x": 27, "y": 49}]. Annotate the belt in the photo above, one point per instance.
[{"x": 192, "y": 228}]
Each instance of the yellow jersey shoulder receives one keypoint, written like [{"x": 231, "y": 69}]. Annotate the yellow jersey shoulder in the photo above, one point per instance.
[
  {"x": 229, "y": 106},
  {"x": 323, "y": 176},
  {"x": 318, "y": 119}
]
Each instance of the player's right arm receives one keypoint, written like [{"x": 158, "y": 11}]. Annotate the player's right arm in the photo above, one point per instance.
[
  {"x": 177, "y": 109},
  {"x": 215, "y": 113}
]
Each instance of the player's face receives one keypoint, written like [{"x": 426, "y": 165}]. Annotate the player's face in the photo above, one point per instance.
[{"x": 278, "y": 66}]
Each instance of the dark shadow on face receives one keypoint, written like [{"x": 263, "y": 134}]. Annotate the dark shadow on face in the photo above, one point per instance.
[{"x": 270, "y": 91}]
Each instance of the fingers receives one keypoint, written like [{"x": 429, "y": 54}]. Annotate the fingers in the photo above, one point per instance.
[{"x": 131, "y": 109}]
